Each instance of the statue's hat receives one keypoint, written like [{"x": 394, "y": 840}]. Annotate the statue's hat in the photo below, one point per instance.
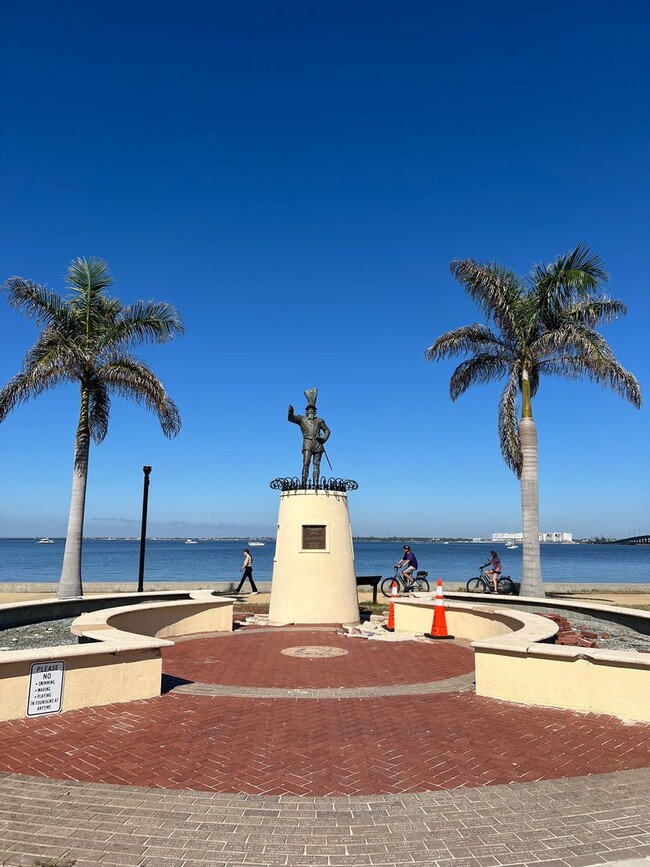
[{"x": 311, "y": 394}]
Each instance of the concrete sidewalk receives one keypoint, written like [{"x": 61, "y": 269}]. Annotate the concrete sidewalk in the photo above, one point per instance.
[{"x": 561, "y": 823}]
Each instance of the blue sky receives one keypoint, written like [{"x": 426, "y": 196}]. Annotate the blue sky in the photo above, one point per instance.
[{"x": 296, "y": 178}]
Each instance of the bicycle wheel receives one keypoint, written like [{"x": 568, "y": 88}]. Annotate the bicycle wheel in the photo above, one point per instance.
[
  {"x": 421, "y": 585},
  {"x": 505, "y": 586},
  {"x": 475, "y": 585},
  {"x": 386, "y": 586}
]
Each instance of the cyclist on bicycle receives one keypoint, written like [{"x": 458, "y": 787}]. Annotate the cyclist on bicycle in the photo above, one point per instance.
[
  {"x": 408, "y": 564},
  {"x": 495, "y": 572}
]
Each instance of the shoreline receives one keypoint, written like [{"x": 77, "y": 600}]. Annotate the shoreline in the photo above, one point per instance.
[
  {"x": 623, "y": 595},
  {"x": 450, "y": 585}
]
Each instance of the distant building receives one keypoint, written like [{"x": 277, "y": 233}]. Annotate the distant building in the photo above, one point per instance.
[
  {"x": 543, "y": 537},
  {"x": 507, "y": 537}
]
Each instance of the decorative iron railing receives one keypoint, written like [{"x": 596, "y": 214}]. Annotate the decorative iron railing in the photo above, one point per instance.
[{"x": 295, "y": 484}]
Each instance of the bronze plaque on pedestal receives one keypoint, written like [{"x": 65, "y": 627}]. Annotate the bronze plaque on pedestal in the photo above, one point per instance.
[{"x": 313, "y": 537}]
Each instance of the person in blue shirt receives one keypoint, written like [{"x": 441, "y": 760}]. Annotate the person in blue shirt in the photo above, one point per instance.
[{"x": 408, "y": 564}]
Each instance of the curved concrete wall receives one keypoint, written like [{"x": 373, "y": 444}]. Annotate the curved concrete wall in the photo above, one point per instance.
[
  {"x": 514, "y": 662},
  {"x": 123, "y": 660},
  {"x": 598, "y": 681},
  {"x": 472, "y": 622},
  {"x": 169, "y": 619}
]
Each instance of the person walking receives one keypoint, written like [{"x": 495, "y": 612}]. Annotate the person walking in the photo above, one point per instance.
[{"x": 247, "y": 568}]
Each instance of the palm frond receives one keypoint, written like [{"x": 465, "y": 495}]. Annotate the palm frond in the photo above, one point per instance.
[
  {"x": 99, "y": 405},
  {"x": 132, "y": 379},
  {"x": 606, "y": 371},
  {"x": 572, "y": 339},
  {"x": 532, "y": 319},
  {"x": 508, "y": 423},
  {"x": 37, "y": 302},
  {"x": 495, "y": 289},
  {"x": 573, "y": 276},
  {"x": 54, "y": 350},
  {"x": 483, "y": 367},
  {"x": 594, "y": 312},
  {"x": 622, "y": 382},
  {"x": 28, "y": 384},
  {"x": 89, "y": 279},
  {"x": 88, "y": 276},
  {"x": 147, "y": 322},
  {"x": 461, "y": 341}
]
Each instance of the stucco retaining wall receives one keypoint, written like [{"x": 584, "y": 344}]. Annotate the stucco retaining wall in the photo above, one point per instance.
[
  {"x": 43, "y": 610},
  {"x": 121, "y": 660},
  {"x": 161, "y": 619},
  {"x": 515, "y": 662}
]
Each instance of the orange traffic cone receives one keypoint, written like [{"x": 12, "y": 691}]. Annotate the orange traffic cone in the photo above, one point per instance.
[
  {"x": 439, "y": 627},
  {"x": 394, "y": 594}
]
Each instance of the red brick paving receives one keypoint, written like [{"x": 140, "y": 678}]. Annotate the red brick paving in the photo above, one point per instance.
[
  {"x": 366, "y": 746},
  {"x": 253, "y": 658}
]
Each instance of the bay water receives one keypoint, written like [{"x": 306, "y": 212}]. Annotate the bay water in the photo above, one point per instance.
[{"x": 23, "y": 560}]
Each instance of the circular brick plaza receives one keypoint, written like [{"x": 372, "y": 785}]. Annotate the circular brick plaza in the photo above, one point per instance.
[
  {"x": 383, "y": 736},
  {"x": 240, "y": 715}
]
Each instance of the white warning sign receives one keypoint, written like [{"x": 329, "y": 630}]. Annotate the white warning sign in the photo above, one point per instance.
[{"x": 45, "y": 688}]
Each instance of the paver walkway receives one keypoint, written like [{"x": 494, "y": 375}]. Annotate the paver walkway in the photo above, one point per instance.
[
  {"x": 561, "y": 823},
  {"x": 377, "y": 755}
]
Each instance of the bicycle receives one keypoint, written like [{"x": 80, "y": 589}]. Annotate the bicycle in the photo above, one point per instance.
[
  {"x": 483, "y": 584},
  {"x": 419, "y": 583}
]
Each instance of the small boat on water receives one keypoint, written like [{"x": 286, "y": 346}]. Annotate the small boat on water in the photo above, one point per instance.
[
  {"x": 45, "y": 541},
  {"x": 191, "y": 542},
  {"x": 256, "y": 544},
  {"x": 511, "y": 547}
]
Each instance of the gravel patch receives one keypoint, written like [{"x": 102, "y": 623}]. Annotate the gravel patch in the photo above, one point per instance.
[
  {"x": 610, "y": 635},
  {"x": 50, "y": 633}
]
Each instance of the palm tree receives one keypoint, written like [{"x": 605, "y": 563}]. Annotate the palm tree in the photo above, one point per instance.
[
  {"x": 545, "y": 324},
  {"x": 86, "y": 338}
]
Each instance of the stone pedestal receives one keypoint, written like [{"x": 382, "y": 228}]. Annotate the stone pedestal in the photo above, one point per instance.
[{"x": 313, "y": 572}]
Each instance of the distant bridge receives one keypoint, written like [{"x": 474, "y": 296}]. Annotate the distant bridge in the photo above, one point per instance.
[{"x": 635, "y": 540}]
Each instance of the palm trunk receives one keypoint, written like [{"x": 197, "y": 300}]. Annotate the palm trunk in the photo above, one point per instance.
[
  {"x": 531, "y": 582},
  {"x": 70, "y": 583}
]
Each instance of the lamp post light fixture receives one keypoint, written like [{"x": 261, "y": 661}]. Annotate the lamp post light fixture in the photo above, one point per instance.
[{"x": 143, "y": 529}]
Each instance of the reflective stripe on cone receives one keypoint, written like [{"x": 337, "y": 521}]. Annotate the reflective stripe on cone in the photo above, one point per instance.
[{"x": 439, "y": 626}]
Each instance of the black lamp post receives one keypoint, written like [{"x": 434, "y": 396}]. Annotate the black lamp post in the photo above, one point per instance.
[{"x": 143, "y": 529}]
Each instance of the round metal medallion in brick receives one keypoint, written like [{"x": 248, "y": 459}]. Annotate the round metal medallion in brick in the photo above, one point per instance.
[{"x": 314, "y": 651}]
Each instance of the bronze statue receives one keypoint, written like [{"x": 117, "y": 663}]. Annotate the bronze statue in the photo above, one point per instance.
[{"x": 314, "y": 434}]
